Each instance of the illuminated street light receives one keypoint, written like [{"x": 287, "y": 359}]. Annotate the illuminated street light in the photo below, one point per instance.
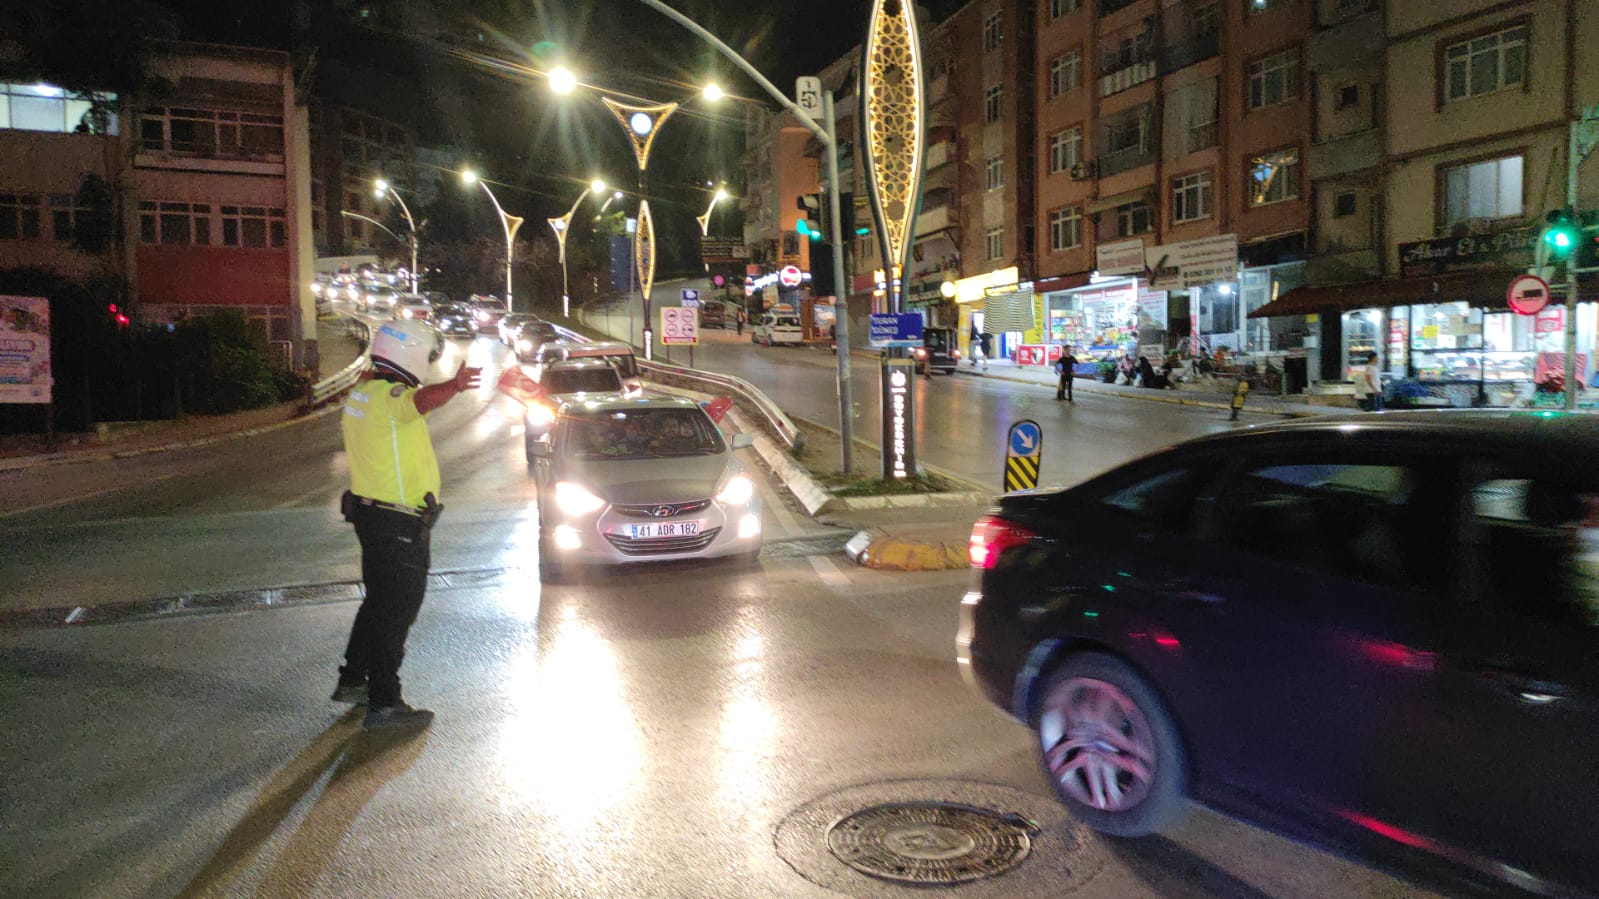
[
  {"x": 713, "y": 92},
  {"x": 563, "y": 224},
  {"x": 705, "y": 220},
  {"x": 562, "y": 81},
  {"x": 510, "y": 223},
  {"x": 384, "y": 189}
]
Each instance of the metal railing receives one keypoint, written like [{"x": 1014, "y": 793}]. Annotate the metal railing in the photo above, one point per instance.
[{"x": 341, "y": 380}]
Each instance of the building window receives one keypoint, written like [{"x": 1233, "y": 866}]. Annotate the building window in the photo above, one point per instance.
[
  {"x": 1065, "y": 228},
  {"x": 1274, "y": 79},
  {"x": 1344, "y": 205},
  {"x": 1274, "y": 177},
  {"x": 993, "y": 31},
  {"x": 20, "y": 215},
  {"x": 1065, "y": 73},
  {"x": 45, "y": 107},
  {"x": 212, "y": 134},
  {"x": 1134, "y": 218},
  {"x": 253, "y": 226},
  {"x": 64, "y": 212},
  {"x": 1348, "y": 95},
  {"x": 994, "y": 173},
  {"x": 1058, "y": 8},
  {"x": 175, "y": 224},
  {"x": 1490, "y": 189},
  {"x": 992, "y": 102},
  {"x": 1190, "y": 197},
  {"x": 996, "y": 243},
  {"x": 1065, "y": 150},
  {"x": 1485, "y": 64}
]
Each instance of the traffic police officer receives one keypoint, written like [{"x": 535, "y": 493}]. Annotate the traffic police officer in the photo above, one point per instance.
[{"x": 393, "y": 502}]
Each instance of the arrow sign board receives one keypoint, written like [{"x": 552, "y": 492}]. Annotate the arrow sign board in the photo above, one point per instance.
[
  {"x": 1024, "y": 450},
  {"x": 1527, "y": 294},
  {"x": 690, "y": 296},
  {"x": 680, "y": 326}
]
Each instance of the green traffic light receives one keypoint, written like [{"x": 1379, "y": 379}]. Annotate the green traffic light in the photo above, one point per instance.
[
  {"x": 802, "y": 226},
  {"x": 1559, "y": 239}
]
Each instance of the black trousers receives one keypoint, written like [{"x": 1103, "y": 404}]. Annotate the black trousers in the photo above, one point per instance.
[
  {"x": 1063, "y": 390},
  {"x": 394, "y": 567}
]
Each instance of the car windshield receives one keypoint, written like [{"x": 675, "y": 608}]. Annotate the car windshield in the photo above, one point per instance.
[
  {"x": 641, "y": 434},
  {"x": 581, "y": 380}
]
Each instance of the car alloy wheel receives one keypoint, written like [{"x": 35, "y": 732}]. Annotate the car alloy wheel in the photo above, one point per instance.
[{"x": 1109, "y": 747}]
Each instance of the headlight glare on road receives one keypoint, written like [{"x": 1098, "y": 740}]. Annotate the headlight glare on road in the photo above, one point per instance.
[
  {"x": 749, "y": 526},
  {"x": 573, "y": 500},
  {"x": 738, "y": 490}
]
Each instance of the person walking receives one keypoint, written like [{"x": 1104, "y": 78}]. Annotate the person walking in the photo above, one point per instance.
[
  {"x": 741, "y": 319},
  {"x": 1063, "y": 368},
  {"x": 1368, "y": 385},
  {"x": 393, "y": 502}
]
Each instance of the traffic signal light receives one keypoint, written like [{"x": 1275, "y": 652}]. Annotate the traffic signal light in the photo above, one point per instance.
[
  {"x": 813, "y": 223},
  {"x": 1561, "y": 233}
]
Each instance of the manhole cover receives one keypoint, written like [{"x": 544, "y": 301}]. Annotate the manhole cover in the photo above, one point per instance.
[{"x": 930, "y": 842}]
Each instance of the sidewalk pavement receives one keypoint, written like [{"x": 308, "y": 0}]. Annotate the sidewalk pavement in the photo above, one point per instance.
[
  {"x": 1199, "y": 396},
  {"x": 336, "y": 345}
]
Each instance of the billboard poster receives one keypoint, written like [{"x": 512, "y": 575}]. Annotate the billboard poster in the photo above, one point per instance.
[{"x": 24, "y": 350}]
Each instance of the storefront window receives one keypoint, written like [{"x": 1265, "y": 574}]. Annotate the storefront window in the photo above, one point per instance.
[
  {"x": 1446, "y": 342},
  {"x": 1099, "y": 320}
]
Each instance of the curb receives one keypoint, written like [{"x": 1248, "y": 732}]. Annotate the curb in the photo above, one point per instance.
[
  {"x": 22, "y": 463},
  {"x": 882, "y": 551},
  {"x": 1154, "y": 397}
]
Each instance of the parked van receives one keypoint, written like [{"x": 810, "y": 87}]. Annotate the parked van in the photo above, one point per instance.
[{"x": 617, "y": 353}]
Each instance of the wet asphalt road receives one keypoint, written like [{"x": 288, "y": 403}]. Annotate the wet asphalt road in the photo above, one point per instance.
[{"x": 635, "y": 733}]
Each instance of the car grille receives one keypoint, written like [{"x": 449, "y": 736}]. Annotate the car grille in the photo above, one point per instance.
[
  {"x": 663, "y": 545},
  {"x": 648, "y": 510}
]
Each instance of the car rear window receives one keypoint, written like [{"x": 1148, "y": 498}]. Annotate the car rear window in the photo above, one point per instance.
[
  {"x": 582, "y": 380},
  {"x": 787, "y": 322},
  {"x": 640, "y": 434}
]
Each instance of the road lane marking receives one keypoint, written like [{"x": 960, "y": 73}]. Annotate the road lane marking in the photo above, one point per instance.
[
  {"x": 76, "y": 499},
  {"x": 829, "y": 572},
  {"x": 779, "y": 509}
]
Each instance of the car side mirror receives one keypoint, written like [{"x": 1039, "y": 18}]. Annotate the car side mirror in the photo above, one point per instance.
[
  {"x": 743, "y": 441},
  {"x": 542, "y": 449}
]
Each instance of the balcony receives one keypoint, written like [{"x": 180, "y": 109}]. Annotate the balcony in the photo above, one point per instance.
[
  {"x": 1340, "y": 155},
  {"x": 938, "y": 90},
  {"x": 1334, "y": 12},
  {"x": 1201, "y": 137},
  {"x": 1339, "y": 266},
  {"x": 1128, "y": 76},
  {"x": 1106, "y": 7},
  {"x": 1108, "y": 164},
  {"x": 1184, "y": 54},
  {"x": 940, "y": 150},
  {"x": 933, "y": 220},
  {"x": 1345, "y": 44}
]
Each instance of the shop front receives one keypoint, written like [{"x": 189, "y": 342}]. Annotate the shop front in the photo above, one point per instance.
[{"x": 998, "y": 305}]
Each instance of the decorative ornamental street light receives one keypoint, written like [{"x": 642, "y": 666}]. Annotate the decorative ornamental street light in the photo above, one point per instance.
[
  {"x": 705, "y": 220},
  {"x": 510, "y": 222},
  {"x": 563, "y": 224},
  {"x": 385, "y": 189}
]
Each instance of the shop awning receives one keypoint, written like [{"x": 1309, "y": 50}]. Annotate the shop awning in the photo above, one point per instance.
[
  {"x": 1010, "y": 311},
  {"x": 1484, "y": 289},
  {"x": 1121, "y": 199}
]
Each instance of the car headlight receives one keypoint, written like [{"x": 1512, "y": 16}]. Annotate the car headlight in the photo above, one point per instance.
[
  {"x": 921, "y": 353},
  {"x": 539, "y": 416},
  {"x": 573, "y": 500},
  {"x": 738, "y": 490},
  {"x": 954, "y": 354},
  {"x": 444, "y": 322},
  {"x": 482, "y": 316},
  {"x": 316, "y": 289},
  {"x": 523, "y": 346},
  {"x": 407, "y": 313}
]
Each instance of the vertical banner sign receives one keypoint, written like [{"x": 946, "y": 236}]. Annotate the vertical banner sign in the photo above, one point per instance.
[
  {"x": 899, "y": 418},
  {"x": 1024, "y": 450},
  {"x": 25, "y": 350}
]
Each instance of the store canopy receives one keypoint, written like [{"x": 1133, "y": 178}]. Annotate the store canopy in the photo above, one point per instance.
[
  {"x": 1484, "y": 289},
  {"x": 1121, "y": 199}
]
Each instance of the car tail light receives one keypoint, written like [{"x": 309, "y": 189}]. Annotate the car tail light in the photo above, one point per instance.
[
  {"x": 992, "y": 536},
  {"x": 954, "y": 354}
]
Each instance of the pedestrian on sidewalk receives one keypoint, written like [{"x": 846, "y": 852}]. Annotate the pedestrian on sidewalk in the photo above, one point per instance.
[
  {"x": 393, "y": 503},
  {"x": 1368, "y": 385},
  {"x": 1063, "y": 368},
  {"x": 741, "y": 318}
]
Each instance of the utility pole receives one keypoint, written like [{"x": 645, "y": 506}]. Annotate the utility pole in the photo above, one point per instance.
[{"x": 1584, "y": 137}]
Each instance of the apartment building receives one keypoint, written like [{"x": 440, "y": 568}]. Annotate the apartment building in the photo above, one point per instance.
[
  {"x": 1441, "y": 141},
  {"x": 777, "y": 172},
  {"x": 350, "y": 149},
  {"x": 207, "y": 172}
]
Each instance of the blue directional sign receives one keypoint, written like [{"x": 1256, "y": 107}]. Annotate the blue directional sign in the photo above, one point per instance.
[
  {"x": 896, "y": 329},
  {"x": 1024, "y": 450},
  {"x": 691, "y": 296}
]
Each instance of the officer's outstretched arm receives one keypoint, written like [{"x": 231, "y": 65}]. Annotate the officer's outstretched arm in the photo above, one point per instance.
[{"x": 435, "y": 395}]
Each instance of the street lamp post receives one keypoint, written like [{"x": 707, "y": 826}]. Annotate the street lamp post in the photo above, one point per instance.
[
  {"x": 705, "y": 220},
  {"x": 510, "y": 222},
  {"x": 384, "y": 188},
  {"x": 563, "y": 224}
]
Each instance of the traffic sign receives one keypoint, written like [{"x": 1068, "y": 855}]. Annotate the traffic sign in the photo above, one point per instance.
[
  {"x": 680, "y": 325},
  {"x": 1024, "y": 451},
  {"x": 808, "y": 94},
  {"x": 790, "y": 276},
  {"x": 690, "y": 296},
  {"x": 896, "y": 329},
  {"x": 1527, "y": 294}
]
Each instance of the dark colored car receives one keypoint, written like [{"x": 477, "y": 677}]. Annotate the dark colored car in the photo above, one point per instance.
[
  {"x": 1379, "y": 634},
  {"x": 713, "y": 314},
  {"x": 939, "y": 350},
  {"x": 454, "y": 319},
  {"x": 529, "y": 336}
]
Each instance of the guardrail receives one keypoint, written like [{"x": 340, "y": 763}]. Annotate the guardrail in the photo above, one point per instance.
[
  {"x": 746, "y": 395},
  {"x": 341, "y": 380}
]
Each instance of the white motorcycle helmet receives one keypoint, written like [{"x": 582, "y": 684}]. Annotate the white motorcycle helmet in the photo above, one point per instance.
[{"x": 403, "y": 348}]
